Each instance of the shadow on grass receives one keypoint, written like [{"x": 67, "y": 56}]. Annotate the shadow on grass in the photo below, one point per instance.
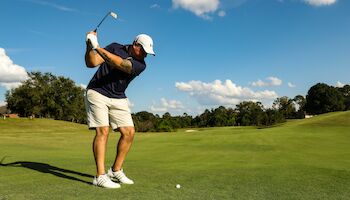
[{"x": 48, "y": 169}]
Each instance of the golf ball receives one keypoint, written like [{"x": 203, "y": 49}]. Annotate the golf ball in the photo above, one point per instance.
[{"x": 178, "y": 186}]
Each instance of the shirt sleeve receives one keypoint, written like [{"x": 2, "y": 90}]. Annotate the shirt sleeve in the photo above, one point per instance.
[
  {"x": 137, "y": 67},
  {"x": 110, "y": 48}
]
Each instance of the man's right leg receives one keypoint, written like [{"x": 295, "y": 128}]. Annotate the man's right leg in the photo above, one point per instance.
[
  {"x": 97, "y": 116},
  {"x": 99, "y": 147}
]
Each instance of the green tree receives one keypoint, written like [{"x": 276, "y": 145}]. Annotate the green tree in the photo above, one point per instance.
[
  {"x": 345, "y": 90},
  {"x": 186, "y": 120},
  {"x": 68, "y": 100},
  {"x": 45, "y": 95},
  {"x": 322, "y": 98},
  {"x": 300, "y": 101},
  {"x": 203, "y": 119},
  {"x": 144, "y": 121},
  {"x": 272, "y": 116},
  {"x": 285, "y": 106},
  {"x": 165, "y": 123},
  {"x": 23, "y": 100},
  {"x": 219, "y": 117},
  {"x": 163, "y": 126},
  {"x": 250, "y": 113},
  {"x": 231, "y": 117}
]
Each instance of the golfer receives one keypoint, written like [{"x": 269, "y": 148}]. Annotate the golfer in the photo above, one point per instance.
[{"x": 107, "y": 104}]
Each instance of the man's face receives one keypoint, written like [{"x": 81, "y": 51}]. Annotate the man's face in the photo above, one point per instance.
[{"x": 139, "y": 53}]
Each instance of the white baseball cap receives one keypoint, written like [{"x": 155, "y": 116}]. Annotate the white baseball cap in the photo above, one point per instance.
[{"x": 146, "y": 42}]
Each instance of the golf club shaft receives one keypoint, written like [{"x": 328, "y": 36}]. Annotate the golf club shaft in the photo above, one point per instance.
[{"x": 101, "y": 22}]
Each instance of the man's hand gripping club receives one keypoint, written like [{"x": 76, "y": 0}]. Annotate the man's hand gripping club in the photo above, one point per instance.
[{"x": 91, "y": 38}]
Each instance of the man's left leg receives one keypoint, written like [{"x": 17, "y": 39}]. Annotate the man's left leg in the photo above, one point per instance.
[{"x": 123, "y": 147}]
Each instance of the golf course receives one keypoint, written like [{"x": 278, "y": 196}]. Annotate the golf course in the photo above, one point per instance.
[{"x": 299, "y": 159}]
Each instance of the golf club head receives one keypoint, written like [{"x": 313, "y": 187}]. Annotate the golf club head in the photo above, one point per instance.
[{"x": 113, "y": 14}]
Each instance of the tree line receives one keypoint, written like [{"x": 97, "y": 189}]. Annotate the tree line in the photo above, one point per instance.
[
  {"x": 49, "y": 96},
  {"x": 246, "y": 113},
  {"x": 321, "y": 98}
]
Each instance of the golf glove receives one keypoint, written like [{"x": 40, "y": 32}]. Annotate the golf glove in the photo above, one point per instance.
[{"x": 93, "y": 40}]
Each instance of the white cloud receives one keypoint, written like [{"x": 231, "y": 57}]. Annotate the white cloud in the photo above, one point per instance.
[
  {"x": 2, "y": 103},
  {"x": 291, "y": 85},
  {"x": 11, "y": 75},
  {"x": 167, "y": 106},
  {"x": 218, "y": 93},
  {"x": 320, "y": 2},
  {"x": 339, "y": 84},
  {"x": 200, "y": 8},
  {"x": 155, "y": 6},
  {"x": 222, "y": 13},
  {"x": 173, "y": 104},
  {"x": 83, "y": 86},
  {"x": 9, "y": 86},
  {"x": 205, "y": 8},
  {"x": 53, "y": 5},
  {"x": 259, "y": 83},
  {"x": 273, "y": 81},
  {"x": 158, "y": 109},
  {"x": 130, "y": 104}
]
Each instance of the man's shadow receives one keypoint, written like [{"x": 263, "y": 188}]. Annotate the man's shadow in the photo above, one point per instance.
[{"x": 48, "y": 169}]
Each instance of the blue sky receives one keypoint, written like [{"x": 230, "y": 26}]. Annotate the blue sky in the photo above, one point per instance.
[{"x": 209, "y": 52}]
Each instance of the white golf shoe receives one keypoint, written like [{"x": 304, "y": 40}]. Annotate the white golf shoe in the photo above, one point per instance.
[
  {"x": 105, "y": 182},
  {"x": 119, "y": 176}
]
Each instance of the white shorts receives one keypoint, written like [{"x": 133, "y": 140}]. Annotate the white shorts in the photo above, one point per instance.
[{"x": 104, "y": 111}]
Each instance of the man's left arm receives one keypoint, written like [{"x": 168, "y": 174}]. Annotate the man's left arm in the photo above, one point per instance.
[{"x": 115, "y": 61}]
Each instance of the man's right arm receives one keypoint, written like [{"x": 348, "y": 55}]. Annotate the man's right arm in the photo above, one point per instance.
[{"x": 92, "y": 58}]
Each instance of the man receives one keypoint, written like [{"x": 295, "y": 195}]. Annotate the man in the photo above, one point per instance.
[{"x": 106, "y": 103}]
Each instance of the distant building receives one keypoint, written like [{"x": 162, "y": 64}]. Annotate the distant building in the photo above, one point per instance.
[
  {"x": 5, "y": 115},
  {"x": 308, "y": 116}
]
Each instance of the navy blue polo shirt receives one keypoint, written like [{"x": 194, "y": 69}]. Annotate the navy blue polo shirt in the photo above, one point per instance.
[{"x": 112, "y": 82}]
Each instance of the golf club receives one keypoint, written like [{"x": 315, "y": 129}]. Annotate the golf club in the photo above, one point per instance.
[{"x": 114, "y": 15}]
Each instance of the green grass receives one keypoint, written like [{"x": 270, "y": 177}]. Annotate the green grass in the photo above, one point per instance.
[{"x": 301, "y": 159}]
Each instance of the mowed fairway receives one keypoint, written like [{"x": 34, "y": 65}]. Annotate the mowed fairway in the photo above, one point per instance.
[{"x": 301, "y": 159}]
